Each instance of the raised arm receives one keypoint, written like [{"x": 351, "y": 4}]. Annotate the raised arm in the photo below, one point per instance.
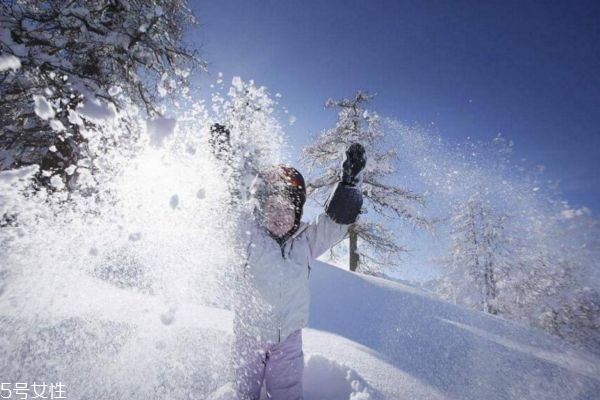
[{"x": 342, "y": 207}]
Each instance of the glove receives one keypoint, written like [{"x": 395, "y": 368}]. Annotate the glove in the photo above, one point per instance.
[
  {"x": 344, "y": 204},
  {"x": 354, "y": 162}
]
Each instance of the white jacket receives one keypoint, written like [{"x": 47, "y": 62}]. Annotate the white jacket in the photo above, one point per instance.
[{"x": 274, "y": 298}]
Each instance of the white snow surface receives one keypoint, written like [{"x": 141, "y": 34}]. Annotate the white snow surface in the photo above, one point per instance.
[
  {"x": 405, "y": 344},
  {"x": 368, "y": 338}
]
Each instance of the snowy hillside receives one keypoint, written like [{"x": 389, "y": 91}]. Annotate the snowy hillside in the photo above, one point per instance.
[
  {"x": 368, "y": 339},
  {"x": 405, "y": 344}
]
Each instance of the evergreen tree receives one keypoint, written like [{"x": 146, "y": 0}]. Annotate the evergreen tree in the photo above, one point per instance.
[
  {"x": 372, "y": 245},
  {"x": 479, "y": 259}
]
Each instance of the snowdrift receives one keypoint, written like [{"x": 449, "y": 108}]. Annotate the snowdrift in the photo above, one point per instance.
[{"x": 405, "y": 344}]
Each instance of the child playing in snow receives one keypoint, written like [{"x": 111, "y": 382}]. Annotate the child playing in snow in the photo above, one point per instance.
[{"x": 272, "y": 306}]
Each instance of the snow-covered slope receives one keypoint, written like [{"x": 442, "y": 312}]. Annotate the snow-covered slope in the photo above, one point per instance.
[
  {"x": 404, "y": 344},
  {"x": 368, "y": 339}
]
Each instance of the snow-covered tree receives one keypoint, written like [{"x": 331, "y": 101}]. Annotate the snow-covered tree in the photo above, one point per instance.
[
  {"x": 571, "y": 305},
  {"x": 576, "y": 318},
  {"x": 479, "y": 258},
  {"x": 372, "y": 246},
  {"x": 65, "y": 63},
  {"x": 246, "y": 136}
]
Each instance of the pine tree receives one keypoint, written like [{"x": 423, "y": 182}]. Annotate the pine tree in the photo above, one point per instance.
[
  {"x": 479, "y": 261},
  {"x": 372, "y": 245}
]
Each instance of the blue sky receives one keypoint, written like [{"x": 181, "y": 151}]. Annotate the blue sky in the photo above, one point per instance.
[{"x": 529, "y": 70}]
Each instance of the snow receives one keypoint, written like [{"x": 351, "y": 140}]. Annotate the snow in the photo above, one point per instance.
[
  {"x": 13, "y": 176},
  {"x": 70, "y": 170},
  {"x": 136, "y": 307},
  {"x": 57, "y": 125},
  {"x": 159, "y": 129},
  {"x": 570, "y": 213},
  {"x": 115, "y": 90},
  {"x": 237, "y": 83},
  {"x": 8, "y": 61},
  {"x": 368, "y": 338},
  {"x": 174, "y": 202},
  {"x": 431, "y": 349},
  {"x": 74, "y": 118},
  {"x": 57, "y": 182},
  {"x": 326, "y": 379},
  {"x": 136, "y": 236},
  {"x": 42, "y": 107},
  {"x": 96, "y": 111},
  {"x": 162, "y": 85}
]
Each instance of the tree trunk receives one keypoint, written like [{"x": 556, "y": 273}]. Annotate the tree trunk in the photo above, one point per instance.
[{"x": 354, "y": 258}]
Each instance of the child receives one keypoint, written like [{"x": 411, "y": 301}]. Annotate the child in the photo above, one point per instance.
[{"x": 273, "y": 300}]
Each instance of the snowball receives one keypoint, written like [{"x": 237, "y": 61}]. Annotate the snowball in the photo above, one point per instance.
[
  {"x": 168, "y": 317},
  {"x": 73, "y": 118},
  {"x": 42, "y": 107},
  {"x": 174, "y": 202},
  {"x": 292, "y": 120},
  {"x": 201, "y": 194},
  {"x": 160, "y": 128},
  {"x": 57, "y": 182},
  {"x": 85, "y": 178},
  {"x": 52, "y": 149},
  {"x": 57, "y": 125},
  {"x": 9, "y": 61},
  {"x": 96, "y": 111},
  {"x": 134, "y": 237},
  {"x": 190, "y": 150},
  {"x": 70, "y": 170}
]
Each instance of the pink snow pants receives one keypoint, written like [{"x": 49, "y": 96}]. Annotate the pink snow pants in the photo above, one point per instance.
[{"x": 280, "y": 365}]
